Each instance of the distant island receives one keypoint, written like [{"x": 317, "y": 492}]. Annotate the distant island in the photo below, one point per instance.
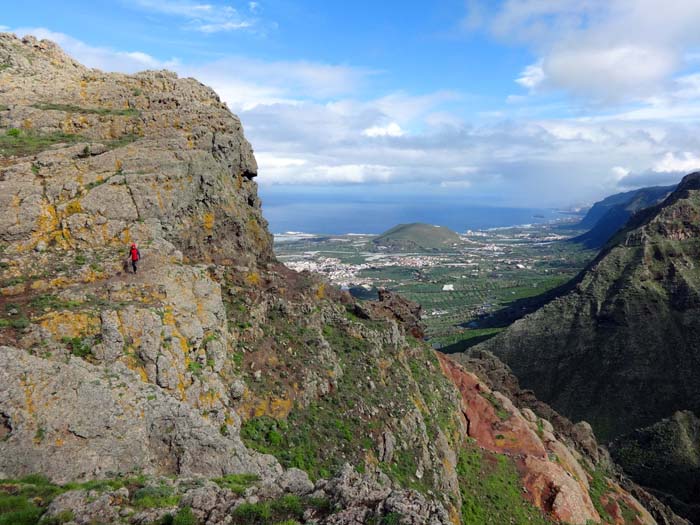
[{"x": 417, "y": 236}]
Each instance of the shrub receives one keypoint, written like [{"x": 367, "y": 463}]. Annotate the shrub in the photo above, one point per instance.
[
  {"x": 79, "y": 346},
  {"x": 184, "y": 516},
  {"x": 238, "y": 483},
  {"x": 155, "y": 497}
]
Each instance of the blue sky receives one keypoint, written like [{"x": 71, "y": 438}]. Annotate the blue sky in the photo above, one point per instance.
[{"x": 529, "y": 103}]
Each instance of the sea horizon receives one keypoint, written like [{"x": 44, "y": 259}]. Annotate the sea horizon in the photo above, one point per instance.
[{"x": 374, "y": 219}]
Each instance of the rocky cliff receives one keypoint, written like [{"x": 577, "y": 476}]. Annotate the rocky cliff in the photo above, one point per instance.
[
  {"x": 215, "y": 386},
  {"x": 620, "y": 350},
  {"x": 606, "y": 217}
]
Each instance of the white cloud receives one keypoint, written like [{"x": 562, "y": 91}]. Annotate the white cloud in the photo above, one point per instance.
[
  {"x": 683, "y": 163},
  {"x": 310, "y": 125},
  {"x": 532, "y": 76},
  {"x": 620, "y": 172},
  {"x": 245, "y": 82},
  {"x": 390, "y": 130},
  {"x": 271, "y": 161},
  {"x": 604, "y": 50},
  {"x": 223, "y": 26},
  {"x": 609, "y": 73},
  {"x": 204, "y": 17}
]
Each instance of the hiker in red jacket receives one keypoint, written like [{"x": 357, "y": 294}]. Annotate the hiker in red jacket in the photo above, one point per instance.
[{"x": 135, "y": 255}]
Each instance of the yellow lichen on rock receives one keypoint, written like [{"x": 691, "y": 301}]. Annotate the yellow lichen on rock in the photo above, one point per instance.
[
  {"x": 321, "y": 291},
  {"x": 73, "y": 207},
  {"x": 208, "y": 221},
  {"x": 70, "y": 324}
]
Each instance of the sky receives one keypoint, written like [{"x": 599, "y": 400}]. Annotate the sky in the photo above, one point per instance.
[{"x": 521, "y": 103}]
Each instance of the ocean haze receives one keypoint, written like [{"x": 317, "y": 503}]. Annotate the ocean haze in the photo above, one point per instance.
[{"x": 327, "y": 214}]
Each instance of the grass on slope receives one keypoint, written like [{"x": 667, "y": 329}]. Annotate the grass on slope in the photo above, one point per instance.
[
  {"x": 491, "y": 490},
  {"x": 345, "y": 425},
  {"x": 130, "y": 112},
  {"x": 22, "y": 143}
]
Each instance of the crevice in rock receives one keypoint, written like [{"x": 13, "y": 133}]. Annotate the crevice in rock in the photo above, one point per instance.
[
  {"x": 548, "y": 497},
  {"x": 468, "y": 422},
  {"x": 5, "y": 427}
]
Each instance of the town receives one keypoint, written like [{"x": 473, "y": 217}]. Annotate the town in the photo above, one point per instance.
[{"x": 459, "y": 288}]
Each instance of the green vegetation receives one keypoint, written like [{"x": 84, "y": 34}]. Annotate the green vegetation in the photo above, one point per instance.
[
  {"x": 122, "y": 141},
  {"x": 130, "y": 112},
  {"x": 237, "y": 483},
  {"x": 329, "y": 420},
  {"x": 157, "y": 496},
  {"x": 288, "y": 509},
  {"x": 392, "y": 518},
  {"x": 22, "y": 143},
  {"x": 598, "y": 488},
  {"x": 18, "y": 323},
  {"x": 501, "y": 412},
  {"x": 195, "y": 368},
  {"x": 79, "y": 346},
  {"x": 459, "y": 342},
  {"x": 23, "y": 501},
  {"x": 342, "y": 423},
  {"x": 491, "y": 491},
  {"x": 469, "y": 293},
  {"x": 184, "y": 516}
]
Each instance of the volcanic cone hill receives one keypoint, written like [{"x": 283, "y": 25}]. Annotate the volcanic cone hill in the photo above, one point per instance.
[
  {"x": 418, "y": 237},
  {"x": 215, "y": 386}
]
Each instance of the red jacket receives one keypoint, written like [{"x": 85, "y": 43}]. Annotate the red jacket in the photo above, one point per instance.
[{"x": 135, "y": 255}]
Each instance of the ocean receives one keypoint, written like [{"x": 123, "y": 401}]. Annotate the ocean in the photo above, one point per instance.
[{"x": 371, "y": 217}]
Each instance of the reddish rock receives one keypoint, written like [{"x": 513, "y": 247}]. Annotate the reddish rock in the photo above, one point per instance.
[
  {"x": 555, "y": 491},
  {"x": 490, "y": 417},
  {"x": 552, "y": 478}
]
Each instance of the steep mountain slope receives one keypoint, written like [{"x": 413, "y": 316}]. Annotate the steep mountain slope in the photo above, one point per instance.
[
  {"x": 606, "y": 217},
  {"x": 215, "y": 386},
  {"x": 418, "y": 237},
  {"x": 620, "y": 350},
  {"x": 666, "y": 458}
]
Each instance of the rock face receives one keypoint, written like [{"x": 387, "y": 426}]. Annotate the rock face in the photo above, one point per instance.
[
  {"x": 153, "y": 159},
  {"x": 65, "y": 420},
  {"x": 620, "y": 349},
  {"x": 215, "y": 386}
]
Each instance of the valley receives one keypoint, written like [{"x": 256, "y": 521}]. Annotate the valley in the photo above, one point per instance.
[{"x": 468, "y": 292}]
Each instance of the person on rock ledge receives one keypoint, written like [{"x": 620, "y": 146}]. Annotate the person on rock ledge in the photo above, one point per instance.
[{"x": 134, "y": 255}]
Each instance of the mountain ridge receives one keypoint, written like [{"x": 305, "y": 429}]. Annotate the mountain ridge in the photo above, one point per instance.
[
  {"x": 618, "y": 348},
  {"x": 606, "y": 217}
]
